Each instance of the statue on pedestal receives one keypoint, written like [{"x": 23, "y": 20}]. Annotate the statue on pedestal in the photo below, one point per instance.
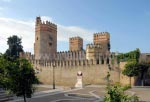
[{"x": 79, "y": 80}]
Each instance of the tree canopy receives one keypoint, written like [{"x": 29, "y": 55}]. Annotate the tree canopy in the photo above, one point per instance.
[
  {"x": 136, "y": 69},
  {"x": 17, "y": 76},
  {"x": 131, "y": 69},
  {"x": 23, "y": 79},
  {"x": 14, "y": 46},
  {"x": 130, "y": 56},
  {"x": 6, "y": 69}
]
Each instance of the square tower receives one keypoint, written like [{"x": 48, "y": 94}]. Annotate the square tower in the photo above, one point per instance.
[
  {"x": 102, "y": 38},
  {"x": 45, "y": 39},
  {"x": 75, "y": 44}
]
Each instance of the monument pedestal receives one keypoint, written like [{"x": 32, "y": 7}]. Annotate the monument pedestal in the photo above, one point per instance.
[{"x": 79, "y": 83}]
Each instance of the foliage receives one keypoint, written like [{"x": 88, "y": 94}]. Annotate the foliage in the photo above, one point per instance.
[
  {"x": 131, "y": 69},
  {"x": 108, "y": 76},
  {"x": 17, "y": 76},
  {"x": 23, "y": 79},
  {"x": 130, "y": 56},
  {"x": 115, "y": 93},
  {"x": 15, "y": 47},
  {"x": 6, "y": 67},
  {"x": 136, "y": 69},
  {"x": 126, "y": 87},
  {"x": 112, "y": 61}
]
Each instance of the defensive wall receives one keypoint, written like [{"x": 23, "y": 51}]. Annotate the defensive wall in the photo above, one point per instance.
[{"x": 65, "y": 72}]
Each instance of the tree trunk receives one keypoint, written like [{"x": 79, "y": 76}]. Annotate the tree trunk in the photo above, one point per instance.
[
  {"x": 142, "y": 78},
  {"x": 130, "y": 81},
  {"x": 24, "y": 96},
  {"x": 142, "y": 82}
]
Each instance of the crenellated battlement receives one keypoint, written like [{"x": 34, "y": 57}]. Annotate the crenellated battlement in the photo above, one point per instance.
[
  {"x": 101, "y": 34},
  {"x": 48, "y": 23},
  {"x": 44, "y": 25},
  {"x": 70, "y": 52},
  {"x": 68, "y": 63},
  {"x": 27, "y": 55},
  {"x": 75, "y": 38},
  {"x": 61, "y": 62},
  {"x": 71, "y": 55},
  {"x": 90, "y": 46},
  {"x": 63, "y": 55}
]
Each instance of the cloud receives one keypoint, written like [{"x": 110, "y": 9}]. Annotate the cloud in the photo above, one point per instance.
[
  {"x": 65, "y": 32},
  {"x": 46, "y": 18},
  {"x": 25, "y": 30}
]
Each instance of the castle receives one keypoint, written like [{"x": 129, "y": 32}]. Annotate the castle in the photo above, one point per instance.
[
  {"x": 45, "y": 46},
  {"x": 95, "y": 61}
]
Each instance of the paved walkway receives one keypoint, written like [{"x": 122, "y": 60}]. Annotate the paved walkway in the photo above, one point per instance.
[
  {"x": 91, "y": 93},
  {"x": 58, "y": 95},
  {"x": 142, "y": 93}
]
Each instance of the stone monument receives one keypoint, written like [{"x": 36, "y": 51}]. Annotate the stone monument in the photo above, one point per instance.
[{"x": 79, "y": 83}]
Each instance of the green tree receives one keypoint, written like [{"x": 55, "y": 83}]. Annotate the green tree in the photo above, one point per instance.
[
  {"x": 17, "y": 76},
  {"x": 137, "y": 54},
  {"x": 23, "y": 79},
  {"x": 6, "y": 67},
  {"x": 136, "y": 69},
  {"x": 15, "y": 47},
  {"x": 131, "y": 70}
]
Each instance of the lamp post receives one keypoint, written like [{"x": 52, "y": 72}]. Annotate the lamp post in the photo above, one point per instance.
[
  {"x": 54, "y": 74},
  {"x": 109, "y": 67}
]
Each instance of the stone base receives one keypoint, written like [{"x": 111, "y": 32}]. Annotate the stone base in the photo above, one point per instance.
[{"x": 79, "y": 83}]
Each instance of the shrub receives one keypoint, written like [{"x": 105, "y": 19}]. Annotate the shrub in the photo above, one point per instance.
[{"x": 115, "y": 93}]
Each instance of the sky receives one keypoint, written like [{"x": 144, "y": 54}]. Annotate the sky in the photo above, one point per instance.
[{"x": 127, "y": 21}]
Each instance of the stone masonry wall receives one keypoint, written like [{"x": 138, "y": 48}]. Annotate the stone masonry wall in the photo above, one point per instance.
[{"x": 67, "y": 76}]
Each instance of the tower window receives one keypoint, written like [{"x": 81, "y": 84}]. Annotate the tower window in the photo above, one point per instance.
[
  {"x": 50, "y": 44},
  {"x": 37, "y": 38},
  {"x": 51, "y": 39}
]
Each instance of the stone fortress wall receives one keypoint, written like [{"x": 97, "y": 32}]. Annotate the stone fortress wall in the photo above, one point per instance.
[
  {"x": 94, "y": 71},
  {"x": 67, "y": 76}
]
